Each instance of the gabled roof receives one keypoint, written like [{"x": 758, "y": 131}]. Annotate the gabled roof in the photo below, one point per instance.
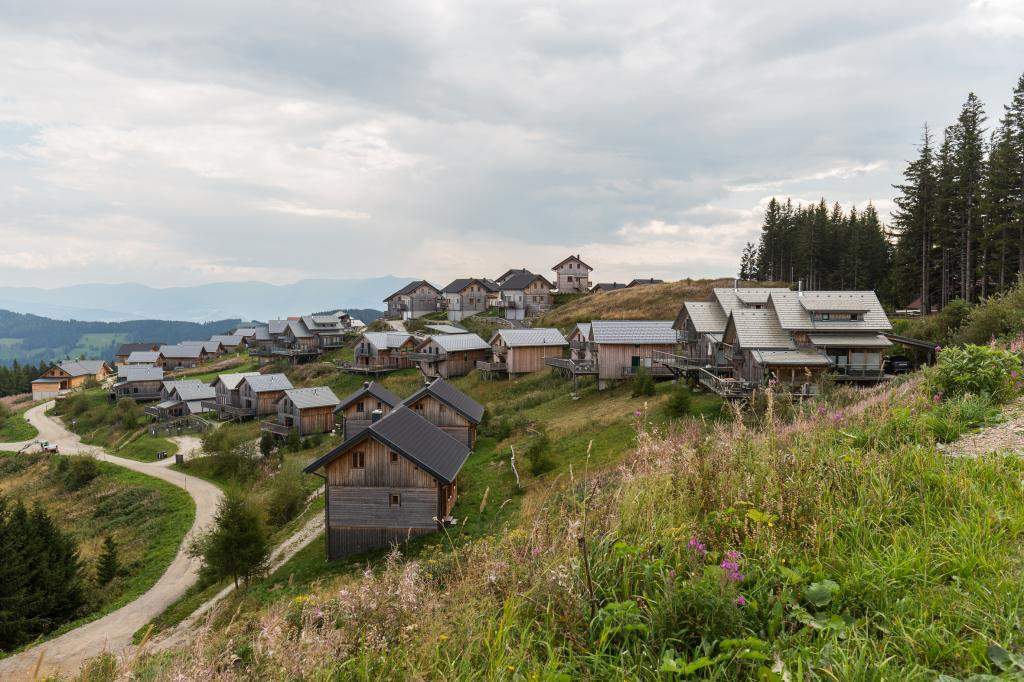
[
  {"x": 539, "y": 336},
  {"x": 322, "y": 323},
  {"x": 262, "y": 383},
  {"x": 262, "y": 334},
  {"x": 758, "y": 329},
  {"x": 129, "y": 348},
  {"x": 446, "y": 329},
  {"x": 794, "y": 314},
  {"x": 642, "y": 282},
  {"x": 729, "y": 299},
  {"x": 707, "y": 316},
  {"x": 140, "y": 373},
  {"x": 81, "y": 368},
  {"x": 452, "y": 397},
  {"x": 275, "y": 327},
  {"x": 457, "y": 342},
  {"x": 413, "y": 437},
  {"x": 799, "y": 358},
  {"x": 521, "y": 280},
  {"x": 227, "y": 339},
  {"x": 245, "y": 332},
  {"x": 569, "y": 258},
  {"x": 411, "y": 287},
  {"x": 607, "y": 286},
  {"x": 633, "y": 332},
  {"x": 584, "y": 329},
  {"x": 508, "y": 273},
  {"x": 143, "y": 357},
  {"x": 233, "y": 379},
  {"x": 459, "y": 285},
  {"x": 374, "y": 389},
  {"x": 386, "y": 340},
  {"x": 317, "y": 396},
  {"x": 193, "y": 390},
  {"x": 171, "y": 384},
  {"x": 181, "y": 351}
]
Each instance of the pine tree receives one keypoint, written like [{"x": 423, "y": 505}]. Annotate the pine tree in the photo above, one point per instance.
[
  {"x": 237, "y": 546},
  {"x": 969, "y": 160},
  {"x": 108, "y": 565}
]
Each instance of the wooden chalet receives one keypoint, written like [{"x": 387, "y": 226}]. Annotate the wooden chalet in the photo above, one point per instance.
[
  {"x": 449, "y": 409},
  {"x": 469, "y": 296},
  {"x": 329, "y": 330},
  {"x": 284, "y": 339},
  {"x": 579, "y": 341},
  {"x": 183, "y": 356},
  {"x": 67, "y": 376},
  {"x": 230, "y": 342},
  {"x": 258, "y": 394},
  {"x": 618, "y": 349},
  {"x": 524, "y": 294},
  {"x": 414, "y": 300},
  {"x": 384, "y": 350},
  {"x": 572, "y": 276},
  {"x": 606, "y": 286},
  {"x": 247, "y": 333},
  {"x": 520, "y": 351},
  {"x": 212, "y": 348},
  {"x": 304, "y": 410},
  {"x": 126, "y": 349},
  {"x": 138, "y": 382},
  {"x": 227, "y": 401},
  {"x": 358, "y": 410},
  {"x": 180, "y": 399},
  {"x": 758, "y": 349},
  {"x": 390, "y": 482},
  {"x": 450, "y": 355},
  {"x": 701, "y": 326}
]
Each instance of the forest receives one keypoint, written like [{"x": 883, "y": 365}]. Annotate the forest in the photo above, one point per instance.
[{"x": 957, "y": 232}]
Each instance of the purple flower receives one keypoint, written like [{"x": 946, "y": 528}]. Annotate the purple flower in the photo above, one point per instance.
[
  {"x": 937, "y": 398},
  {"x": 821, "y": 409},
  {"x": 672, "y": 574},
  {"x": 1013, "y": 373},
  {"x": 637, "y": 413},
  {"x": 740, "y": 601},
  {"x": 837, "y": 417},
  {"x": 697, "y": 547},
  {"x": 731, "y": 565},
  {"x": 535, "y": 552}
]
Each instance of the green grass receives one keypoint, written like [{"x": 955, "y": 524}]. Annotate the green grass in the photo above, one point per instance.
[
  {"x": 145, "y": 447},
  {"x": 14, "y": 428},
  {"x": 147, "y": 517}
]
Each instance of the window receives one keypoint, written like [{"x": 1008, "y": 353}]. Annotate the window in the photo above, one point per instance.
[
  {"x": 380, "y": 405},
  {"x": 419, "y": 407},
  {"x": 396, "y": 500},
  {"x": 358, "y": 460},
  {"x": 394, "y": 458},
  {"x": 359, "y": 406}
]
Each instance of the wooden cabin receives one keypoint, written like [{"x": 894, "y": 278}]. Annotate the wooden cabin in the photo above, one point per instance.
[
  {"x": 701, "y": 325},
  {"x": 449, "y": 409},
  {"x": 759, "y": 349},
  {"x": 450, "y": 355},
  {"x": 247, "y": 333},
  {"x": 525, "y": 294},
  {"x": 524, "y": 350},
  {"x": 230, "y": 342},
  {"x": 67, "y": 376},
  {"x": 227, "y": 400},
  {"x": 469, "y": 296},
  {"x": 387, "y": 350},
  {"x": 623, "y": 347},
  {"x": 183, "y": 356},
  {"x": 358, "y": 410},
  {"x": 414, "y": 300},
  {"x": 126, "y": 349},
  {"x": 392, "y": 481},
  {"x": 299, "y": 339},
  {"x": 644, "y": 282},
  {"x": 304, "y": 410},
  {"x": 211, "y": 348},
  {"x": 329, "y": 330},
  {"x": 180, "y": 399},
  {"x": 572, "y": 276},
  {"x": 138, "y": 382},
  {"x": 607, "y": 286},
  {"x": 259, "y": 394}
]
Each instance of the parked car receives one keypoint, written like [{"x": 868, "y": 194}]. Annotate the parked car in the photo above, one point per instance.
[{"x": 898, "y": 364}]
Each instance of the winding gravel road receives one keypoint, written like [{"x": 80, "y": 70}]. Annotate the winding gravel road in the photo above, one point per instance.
[{"x": 113, "y": 632}]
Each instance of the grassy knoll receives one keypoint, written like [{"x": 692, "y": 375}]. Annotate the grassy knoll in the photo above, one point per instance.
[
  {"x": 145, "y": 447},
  {"x": 146, "y": 517},
  {"x": 14, "y": 428}
]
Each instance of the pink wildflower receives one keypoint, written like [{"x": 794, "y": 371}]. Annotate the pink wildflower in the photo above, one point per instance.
[
  {"x": 937, "y": 398},
  {"x": 740, "y": 601},
  {"x": 697, "y": 547},
  {"x": 535, "y": 552},
  {"x": 637, "y": 413}
]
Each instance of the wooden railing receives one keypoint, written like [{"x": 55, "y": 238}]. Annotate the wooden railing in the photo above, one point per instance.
[
  {"x": 655, "y": 370},
  {"x": 859, "y": 371},
  {"x": 491, "y": 366},
  {"x": 573, "y": 366},
  {"x": 275, "y": 428},
  {"x": 427, "y": 357}
]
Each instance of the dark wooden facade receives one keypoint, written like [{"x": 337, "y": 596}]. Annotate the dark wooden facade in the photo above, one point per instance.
[{"x": 445, "y": 418}]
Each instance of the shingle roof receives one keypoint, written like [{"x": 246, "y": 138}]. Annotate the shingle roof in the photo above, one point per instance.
[
  {"x": 128, "y": 348},
  {"x": 298, "y": 329},
  {"x": 707, "y": 317},
  {"x": 607, "y": 286},
  {"x": 642, "y": 282},
  {"x": 385, "y": 340},
  {"x": 233, "y": 379},
  {"x": 413, "y": 437},
  {"x": 633, "y": 331},
  {"x": 540, "y": 336},
  {"x": 729, "y": 299},
  {"x": 172, "y": 384},
  {"x": 262, "y": 334},
  {"x": 182, "y": 351},
  {"x": 140, "y": 373},
  {"x": 227, "y": 339},
  {"x": 411, "y": 287},
  {"x": 451, "y": 396},
  {"x": 317, "y": 396},
  {"x": 458, "y": 342},
  {"x": 802, "y": 358},
  {"x": 374, "y": 389},
  {"x": 245, "y": 332},
  {"x": 568, "y": 258},
  {"x": 850, "y": 340},
  {"x": 275, "y": 327},
  {"x": 752, "y": 296},
  {"x": 79, "y": 368},
  {"x": 143, "y": 357},
  {"x": 262, "y": 383},
  {"x": 194, "y": 390},
  {"x": 446, "y": 329},
  {"x": 791, "y": 308},
  {"x": 322, "y": 323},
  {"x": 521, "y": 280},
  {"x": 458, "y": 285},
  {"x": 760, "y": 329}
]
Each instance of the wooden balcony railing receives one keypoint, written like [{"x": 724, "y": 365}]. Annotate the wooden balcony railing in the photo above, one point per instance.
[{"x": 275, "y": 428}]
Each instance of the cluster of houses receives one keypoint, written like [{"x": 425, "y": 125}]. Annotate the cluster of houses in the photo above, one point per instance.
[
  {"x": 69, "y": 375},
  {"x": 517, "y": 294}
]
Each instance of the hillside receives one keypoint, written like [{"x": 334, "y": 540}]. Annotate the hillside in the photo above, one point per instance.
[{"x": 651, "y": 302}]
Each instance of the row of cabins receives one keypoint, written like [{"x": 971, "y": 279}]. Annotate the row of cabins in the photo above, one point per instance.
[{"x": 303, "y": 338}]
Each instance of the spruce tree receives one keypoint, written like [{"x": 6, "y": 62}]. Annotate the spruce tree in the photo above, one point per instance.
[
  {"x": 238, "y": 546},
  {"x": 108, "y": 565}
]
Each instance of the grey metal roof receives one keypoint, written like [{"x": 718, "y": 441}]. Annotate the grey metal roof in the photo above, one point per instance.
[
  {"x": 262, "y": 334},
  {"x": 539, "y": 336},
  {"x": 385, "y": 340},
  {"x": 729, "y": 299},
  {"x": 801, "y": 358},
  {"x": 446, "y": 329},
  {"x": 194, "y": 390},
  {"x": 323, "y": 324},
  {"x": 521, "y": 280},
  {"x": 227, "y": 339},
  {"x": 411, "y": 287},
  {"x": 140, "y": 373},
  {"x": 245, "y": 332},
  {"x": 298, "y": 329},
  {"x": 793, "y": 313},
  {"x": 458, "y": 342},
  {"x": 584, "y": 328},
  {"x": 172, "y": 384},
  {"x": 262, "y": 383},
  {"x": 707, "y": 316},
  {"x": 451, "y": 396},
  {"x": 143, "y": 357},
  {"x": 182, "y": 352},
  {"x": 79, "y": 368},
  {"x": 275, "y": 327},
  {"x": 637, "y": 332},
  {"x": 642, "y": 282},
  {"x": 413, "y": 437},
  {"x": 128, "y": 348},
  {"x": 317, "y": 396},
  {"x": 459, "y": 284},
  {"x": 759, "y": 329},
  {"x": 233, "y": 379},
  {"x": 607, "y": 286},
  {"x": 371, "y": 388},
  {"x": 850, "y": 340}
]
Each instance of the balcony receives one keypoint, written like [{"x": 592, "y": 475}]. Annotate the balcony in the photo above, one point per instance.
[
  {"x": 858, "y": 372},
  {"x": 654, "y": 370},
  {"x": 485, "y": 366},
  {"x": 573, "y": 366},
  {"x": 236, "y": 411},
  {"x": 427, "y": 357},
  {"x": 276, "y": 428}
]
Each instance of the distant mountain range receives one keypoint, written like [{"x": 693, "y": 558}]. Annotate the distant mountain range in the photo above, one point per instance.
[{"x": 202, "y": 303}]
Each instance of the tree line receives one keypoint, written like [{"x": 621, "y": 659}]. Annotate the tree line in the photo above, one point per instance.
[{"x": 17, "y": 378}]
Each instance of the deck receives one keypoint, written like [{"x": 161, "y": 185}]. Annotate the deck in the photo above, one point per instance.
[
  {"x": 655, "y": 370},
  {"x": 275, "y": 428},
  {"x": 573, "y": 367},
  {"x": 375, "y": 370}
]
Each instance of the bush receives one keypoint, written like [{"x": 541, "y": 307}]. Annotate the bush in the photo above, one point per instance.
[
  {"x": 266, "y": 444},
  {"x": 977, "y": 370},
  {"x": 77, "y": 473},
  {"x": 129, "y": 413},
  {"x": 222, "y": 441},
  {"x": 285, "y": 497},
  {"x": 238, "y": 546},
  {"x": 538, "y": 455},
  {"x": 643, "y": 384},
  {"x": 679, "y": 403}
]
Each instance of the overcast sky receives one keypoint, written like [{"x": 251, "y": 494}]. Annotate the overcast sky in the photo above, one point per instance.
[{"x": 191, "y": 142}]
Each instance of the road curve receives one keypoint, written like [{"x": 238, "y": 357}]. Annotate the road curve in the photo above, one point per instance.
[{"x": 113, "y": 632}]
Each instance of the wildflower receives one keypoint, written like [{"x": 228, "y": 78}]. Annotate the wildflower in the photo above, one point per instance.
[
  {"x": 937, "y": 398},
  {"x": 821, "y": 409},
  {"x": 697, "y": 547},
  {"x": 671, "y": 574},
  {"x": 731, "y": 565},
  {"x": 443, "y": 638},
  {"x": 636, "y": 413},
  {"x": 740, "y": 601},
  {"x": 1013, "y": 373},
  {"x": 535, "y": 552},
  {"x": 837, "y": 417}
]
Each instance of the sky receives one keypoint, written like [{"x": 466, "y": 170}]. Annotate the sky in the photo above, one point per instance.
[{"x": 194, "y": 142}]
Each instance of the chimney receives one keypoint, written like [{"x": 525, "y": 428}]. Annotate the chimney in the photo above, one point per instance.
[
  {"x": 366, "y": 384},
  {"x": 800, "y": 288},
  {"x": 375, "y": 416},
  {"x": 735, "y": 284}
]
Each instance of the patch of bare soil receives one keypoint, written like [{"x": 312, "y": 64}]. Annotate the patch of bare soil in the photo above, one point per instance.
[{"x": 1004, "y": 438}]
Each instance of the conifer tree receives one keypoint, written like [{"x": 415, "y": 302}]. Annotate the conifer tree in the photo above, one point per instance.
[{"x": 108, "y": 565}]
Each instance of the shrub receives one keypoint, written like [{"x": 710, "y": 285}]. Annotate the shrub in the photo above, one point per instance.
[
  {"x": 222, "y": 441},
  {"x": 979, "y": 370},
  {"x": 538, "y": 454},
  {"x": 238, "y": 546},
  {"x": 129, "y": 413},
  {"x": 680, "y": 402},
  {"x": 643, "y": 384},
  {"x": 266, "y": 443},
  {"x": 285, "y": 497},
  {"x": 78, "y": 472}
]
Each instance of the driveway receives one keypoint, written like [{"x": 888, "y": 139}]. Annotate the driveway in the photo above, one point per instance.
[{"x": 114, "y": 631}]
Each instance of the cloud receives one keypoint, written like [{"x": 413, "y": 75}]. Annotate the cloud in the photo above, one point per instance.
[{"x": 310, "y": 211}]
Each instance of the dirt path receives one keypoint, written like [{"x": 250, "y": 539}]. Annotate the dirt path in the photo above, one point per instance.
[
  {"x": 189, "y": 447},
  {"x": 396, "y": 325},
  {"x": 1007, "y": 437},
  {"x": 114, "y": 631}
]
